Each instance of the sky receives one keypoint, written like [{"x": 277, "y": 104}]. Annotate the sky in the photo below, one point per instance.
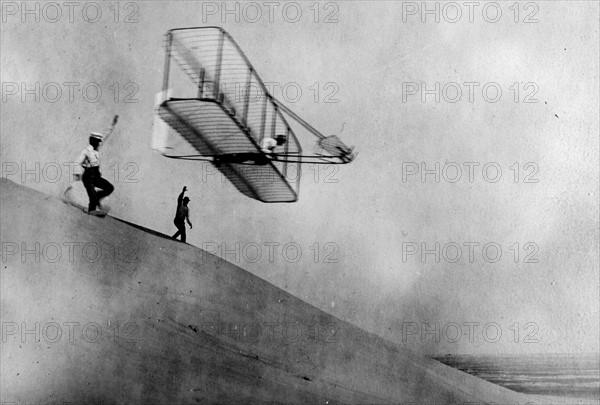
[{"x": 502, "y": 258}]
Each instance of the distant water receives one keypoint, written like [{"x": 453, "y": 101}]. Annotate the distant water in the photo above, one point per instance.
[{"x": 560, "y": 375}]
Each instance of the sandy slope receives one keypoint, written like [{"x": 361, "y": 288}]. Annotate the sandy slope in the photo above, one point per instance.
[{"x": 108, "y": 313}]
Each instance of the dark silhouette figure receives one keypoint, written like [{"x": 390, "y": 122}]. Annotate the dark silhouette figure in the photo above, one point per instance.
[{"x": 182, "y": 215}]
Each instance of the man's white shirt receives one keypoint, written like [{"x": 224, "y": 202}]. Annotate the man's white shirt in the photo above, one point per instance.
[
  {"x": 268, "y": 145},
  {"x": 89, "y": 157}
]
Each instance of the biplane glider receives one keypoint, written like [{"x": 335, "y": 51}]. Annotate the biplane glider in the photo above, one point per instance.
[{"x": 217, "y": 108}]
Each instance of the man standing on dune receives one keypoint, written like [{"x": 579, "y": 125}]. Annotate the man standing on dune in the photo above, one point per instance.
[{"x": 181, "y": 215}]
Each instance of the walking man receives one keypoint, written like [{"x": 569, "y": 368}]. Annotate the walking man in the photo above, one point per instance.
[
  {"x": 89, "y": 162},
  {"x": 182, "y": 215}
]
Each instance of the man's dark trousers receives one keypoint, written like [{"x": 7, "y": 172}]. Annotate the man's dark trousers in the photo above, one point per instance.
[{"x": 92, "y": 179}]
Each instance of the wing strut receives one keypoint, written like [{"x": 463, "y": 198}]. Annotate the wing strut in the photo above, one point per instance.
[
  {"x": 295, "y": 116},
  {"x": 331, "y": 144}
]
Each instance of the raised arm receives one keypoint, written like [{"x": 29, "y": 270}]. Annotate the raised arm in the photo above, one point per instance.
[
  {"x": 110, "y": 130},
  {"x": 180, "y": 198}
]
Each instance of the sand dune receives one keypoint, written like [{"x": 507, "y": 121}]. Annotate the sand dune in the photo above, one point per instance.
[{"x": 98, "y": 311}]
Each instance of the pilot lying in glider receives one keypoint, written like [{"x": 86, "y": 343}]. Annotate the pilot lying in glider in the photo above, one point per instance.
[
  {"x": 268, "y": 144},
  {"x": 267, "y": 147}
]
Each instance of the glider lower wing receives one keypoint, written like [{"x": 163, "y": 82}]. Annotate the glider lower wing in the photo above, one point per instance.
[{"x": 214, "y": 132}]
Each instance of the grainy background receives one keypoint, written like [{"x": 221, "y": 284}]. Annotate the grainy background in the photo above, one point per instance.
[{"x": 373, "y": 209}]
